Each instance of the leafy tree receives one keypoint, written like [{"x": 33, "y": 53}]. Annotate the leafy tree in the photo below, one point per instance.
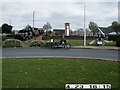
[
  {"x": 93, "y": 27},
  {"x": 116, "y": 26},
  {"x": 49, "y": 32},
  {"x": 0, "y": 30},
  {"x": 80, "y": 32},
  {"x": 47, "y": 27},
  {"x": 71, "y": 31},
  {"x": 6, "y": 28},
  {"x": 28, "y": 28},
  {"x": 41, "y": 32}
]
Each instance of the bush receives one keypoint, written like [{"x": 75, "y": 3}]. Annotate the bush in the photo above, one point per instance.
[
  {"x": 37, "y": 44},
  {"x": 47, "y": 44},
  {"x": 12, "y": 43},
  {"x": 118, "y": 42},
  {"x": 46, "y": 37},
  {"x": 113, "y": 37}
]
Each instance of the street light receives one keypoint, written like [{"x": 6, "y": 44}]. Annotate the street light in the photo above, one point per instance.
[
  {"x": 84, "y": 23},
  {"x": 33, "y": 19},
  {"x": 10, "y": 21},
  {"x": 119, "y": 12}
]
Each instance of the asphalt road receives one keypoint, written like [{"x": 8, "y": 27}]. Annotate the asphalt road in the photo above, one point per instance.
[{"x": 45, "y": 52}]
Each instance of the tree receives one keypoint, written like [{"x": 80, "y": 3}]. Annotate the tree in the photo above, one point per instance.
[
  {"x": 71, "y": 32},
  {"x": 41, "y": 32},
  {"x": 6, "y": 28},
  {"x": 80, "y": 32},
  {"x": 0, "y": 30},
  {"x": 49, "y": 32},
  {"x": 47, "y": 27},
  {"x": 116, "y": 27},
  {"x": 28, "y": 28},
  {"x": 93, "y": 27}
]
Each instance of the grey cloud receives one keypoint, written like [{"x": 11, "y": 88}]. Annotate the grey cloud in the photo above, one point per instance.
[{"x": 58, "y": 13}]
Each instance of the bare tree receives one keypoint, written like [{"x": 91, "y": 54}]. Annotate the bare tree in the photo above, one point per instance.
[{"x": 47, "y": 27}]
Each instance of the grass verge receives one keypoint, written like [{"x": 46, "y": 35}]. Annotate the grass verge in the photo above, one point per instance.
[
  {"x": 77, "y": 43},
  {"x": 55, "y": 73}
]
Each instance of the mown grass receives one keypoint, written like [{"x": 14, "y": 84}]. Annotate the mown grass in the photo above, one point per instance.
[
  {"x": 78, "y": 42},
  {"x": 55, "y": 73},
  {"x": 110, "y": 44},
  {"x": 81, "y": 43},
  {"x": 74, "y": 43}
]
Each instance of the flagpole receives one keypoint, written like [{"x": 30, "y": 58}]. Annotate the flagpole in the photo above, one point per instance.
[{"x": 84, "y": 23}]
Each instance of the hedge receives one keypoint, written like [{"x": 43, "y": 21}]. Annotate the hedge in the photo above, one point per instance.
[
  {"x": 113, "y": 37},
  {"x": 12, "y": 43}
]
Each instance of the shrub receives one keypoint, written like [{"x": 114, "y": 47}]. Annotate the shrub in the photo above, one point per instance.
[
  {"x": 46, "y": 37},
  {"x": 12, "y": 43},
  {"x": 3, "y": 38},
  {"x": 37, "y": 44},
  {"x": 47, "y": 44},
  {"x": 113, "y": 37},
  {"x": 118, "y": 42}
]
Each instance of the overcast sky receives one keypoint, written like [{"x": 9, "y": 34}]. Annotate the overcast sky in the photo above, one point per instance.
[{"x": 20, "y": 13}]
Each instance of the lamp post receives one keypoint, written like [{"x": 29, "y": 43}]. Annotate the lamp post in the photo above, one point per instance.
[
  {"x": 84, "y": 24},
  {"x": 33, "y": 18},
  {"x": 10, "y": 21},
  {"x": 119, "y": 12}
]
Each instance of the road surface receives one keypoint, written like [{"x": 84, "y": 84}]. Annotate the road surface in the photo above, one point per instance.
[{"x": 45, "y": 52}]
